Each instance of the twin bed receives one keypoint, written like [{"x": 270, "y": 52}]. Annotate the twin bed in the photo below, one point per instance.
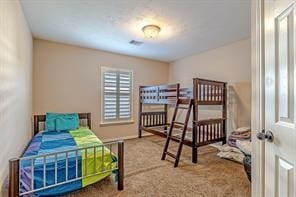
[
  {"x": 203, "y": 132},
  {"x": 58, "y": 162}
]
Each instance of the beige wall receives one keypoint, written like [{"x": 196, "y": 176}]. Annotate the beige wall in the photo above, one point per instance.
[
  {"x": 15, "y": 83},
  {"x": 67, "y": 79},
  {"x": 242, "y": 96},
  {"x": 230, "y": 63}
]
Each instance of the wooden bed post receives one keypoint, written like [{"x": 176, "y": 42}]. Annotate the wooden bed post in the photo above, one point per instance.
[
  {"x": 120, "y": 165},
  {"x": 140, "y": 114},
  {"x": 194, "y": 134},
  {"x": 88, "y": 117},
  {"x": 224, "y": 113},
  {"x": 194, "y": 126},
  {"x": 36, "y": 125},
  {"x": 166, "y": 116},
  {"x": 13, "y": 190}
]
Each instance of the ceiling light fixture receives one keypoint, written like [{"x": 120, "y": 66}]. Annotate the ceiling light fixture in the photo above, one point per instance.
[{"x": 151, "y": 31}]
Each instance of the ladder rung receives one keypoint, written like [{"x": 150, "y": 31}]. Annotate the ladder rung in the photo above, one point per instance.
[
  {"x": 178, "y": 128},
  {"x": 175, "y": 138},
  {"x": 180, "y": 123},
  {"x": 171, "y": 154},
  {"x": 179, "y": 107},
  {"x": 184, "y": 101}
]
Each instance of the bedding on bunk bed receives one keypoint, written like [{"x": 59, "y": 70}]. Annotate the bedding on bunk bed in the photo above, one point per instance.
[{"x": 52, "y": 141}]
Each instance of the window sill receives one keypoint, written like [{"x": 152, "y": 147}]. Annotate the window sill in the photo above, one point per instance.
[{"x": 116, "y": 123}]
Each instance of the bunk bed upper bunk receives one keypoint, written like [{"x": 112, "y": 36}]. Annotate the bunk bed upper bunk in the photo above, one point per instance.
[
  {"x": 161, "y": 94},
  {"x": 204, "y": 92}
]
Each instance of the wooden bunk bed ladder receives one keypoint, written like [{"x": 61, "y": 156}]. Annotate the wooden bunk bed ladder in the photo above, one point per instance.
[{"x": 183, "y": 125}]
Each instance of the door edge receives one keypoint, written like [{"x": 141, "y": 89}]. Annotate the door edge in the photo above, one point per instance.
[{"x": 257, "y": 120}]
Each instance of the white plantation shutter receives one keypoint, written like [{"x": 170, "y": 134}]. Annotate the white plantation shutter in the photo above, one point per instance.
[
  {"x": 110, "y": 95},
  {"x": 125, "y": 79},
  {"x": 117, "y": 94}
]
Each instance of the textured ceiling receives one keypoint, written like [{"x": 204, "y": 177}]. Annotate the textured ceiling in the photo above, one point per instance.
[{"x": 187, "y": 26}]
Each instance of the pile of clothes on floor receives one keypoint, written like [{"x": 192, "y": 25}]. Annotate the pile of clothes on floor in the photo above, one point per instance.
[
  {"x": 239, "y": 148},
  {"x": 239, "y": 145}
]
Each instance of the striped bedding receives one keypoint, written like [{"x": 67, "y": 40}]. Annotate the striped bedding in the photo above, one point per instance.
[{"x": 50, "y": 142}]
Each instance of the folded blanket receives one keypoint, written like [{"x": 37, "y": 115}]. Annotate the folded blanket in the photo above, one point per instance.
[
  {"x": 245, "y": 135},
  {"x": 243, "y": 129},
  {"x": 241, "y": 133}
]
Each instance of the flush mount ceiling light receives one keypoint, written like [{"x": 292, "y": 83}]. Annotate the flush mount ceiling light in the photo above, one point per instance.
[{"x": 151, "y": 31}]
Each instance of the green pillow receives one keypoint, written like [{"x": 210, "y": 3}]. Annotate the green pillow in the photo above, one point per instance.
[
  {"x": 50, "y": 123},
  {"x": 67, "y": 122}
]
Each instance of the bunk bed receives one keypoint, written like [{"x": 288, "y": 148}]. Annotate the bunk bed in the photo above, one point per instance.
[{"x": 202, "y": 132}]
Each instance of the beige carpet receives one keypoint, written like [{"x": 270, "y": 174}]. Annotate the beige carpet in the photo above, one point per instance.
[{"x": 147, "y": 175}]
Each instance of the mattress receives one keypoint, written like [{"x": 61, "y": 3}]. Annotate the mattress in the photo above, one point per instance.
[
  {"x": 87, "y": 162},
  {"x": 177, "y": 132}
]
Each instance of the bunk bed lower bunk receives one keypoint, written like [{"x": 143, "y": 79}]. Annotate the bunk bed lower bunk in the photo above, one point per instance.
[{"x": 202, "y": 132}]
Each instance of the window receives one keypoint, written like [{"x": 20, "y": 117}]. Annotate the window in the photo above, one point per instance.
[{"x": 117, "y": 95}]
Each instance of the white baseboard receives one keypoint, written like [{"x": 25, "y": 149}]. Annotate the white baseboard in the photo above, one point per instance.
[{"x": 127, "y": 137}]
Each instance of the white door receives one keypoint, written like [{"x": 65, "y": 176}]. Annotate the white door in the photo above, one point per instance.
[{"x": 280, "y": 98}]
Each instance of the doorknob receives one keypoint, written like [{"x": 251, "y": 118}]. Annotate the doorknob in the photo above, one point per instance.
[{"x": 268, "y": 135}]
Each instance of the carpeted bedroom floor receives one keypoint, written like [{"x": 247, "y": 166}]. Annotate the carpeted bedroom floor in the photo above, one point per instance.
[{"x": 147, "y": 175}]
